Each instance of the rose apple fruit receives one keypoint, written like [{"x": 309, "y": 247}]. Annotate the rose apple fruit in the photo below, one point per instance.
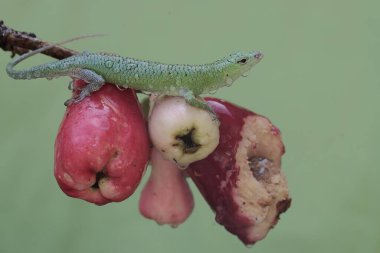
[
  {"x": 181, "y": 132},
  {"x": 242, "y": 179},
  {"x": 102, "y": 147},
  {"x": 166, "y": 198}
]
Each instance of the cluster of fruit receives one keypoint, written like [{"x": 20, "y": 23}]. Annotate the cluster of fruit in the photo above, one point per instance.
[{"x": 105, "y": 143}]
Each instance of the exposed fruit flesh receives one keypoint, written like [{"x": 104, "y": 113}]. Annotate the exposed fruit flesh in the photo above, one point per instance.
[
  {"x": 242, "y": 179},
  {"x": 181, "y": 133}
]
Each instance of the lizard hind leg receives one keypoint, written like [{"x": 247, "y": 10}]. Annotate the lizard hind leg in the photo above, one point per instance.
[{"x": 93, "y": 80}]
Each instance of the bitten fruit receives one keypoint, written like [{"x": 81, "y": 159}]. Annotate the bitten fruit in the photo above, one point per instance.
[
  {"x": 242, "y": 179},
  {"x": 181, "y": 132},
  {"x": 166, "y": 198},
  {"x": 102, "y": 147}
]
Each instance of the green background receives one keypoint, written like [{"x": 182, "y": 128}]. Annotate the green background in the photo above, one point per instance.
[{"x": 319, "y": 82}]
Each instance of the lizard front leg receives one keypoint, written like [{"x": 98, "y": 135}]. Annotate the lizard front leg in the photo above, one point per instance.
[
  {"x": 93, "y": 80},
  {"x": 197, "y": 102}
]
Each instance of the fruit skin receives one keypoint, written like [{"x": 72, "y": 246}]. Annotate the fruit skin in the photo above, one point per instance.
[
  {"x": 245, "y": 205},
  {"x": 181, "y": 132},
  {"x": 166, "y": 198},
  {"x": 102, "y": 146}
]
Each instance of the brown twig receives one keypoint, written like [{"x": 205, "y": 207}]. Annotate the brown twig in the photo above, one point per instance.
[{"x": 21, "y": 42}]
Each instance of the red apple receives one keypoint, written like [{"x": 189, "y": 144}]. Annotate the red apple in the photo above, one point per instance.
[
  {"x": 166, "y": 197},
  {"x": 102, "y": 147},
  {"x": 242, "y": 179}
]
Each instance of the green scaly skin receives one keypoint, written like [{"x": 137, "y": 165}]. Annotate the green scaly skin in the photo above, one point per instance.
[{"x": 188, "y": 81}]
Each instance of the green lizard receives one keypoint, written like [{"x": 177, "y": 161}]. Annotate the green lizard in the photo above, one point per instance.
[{"x": 188, "y": 81}]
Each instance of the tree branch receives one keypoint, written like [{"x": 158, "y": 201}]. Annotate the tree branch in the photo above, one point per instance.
[{"x": 21, "y": 42}]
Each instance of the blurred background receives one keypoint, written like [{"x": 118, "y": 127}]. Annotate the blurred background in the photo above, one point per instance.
[{"x": 319, "y": 82}]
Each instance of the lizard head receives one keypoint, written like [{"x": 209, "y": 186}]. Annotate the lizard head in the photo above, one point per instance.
[{"x": 236, "y": 64}]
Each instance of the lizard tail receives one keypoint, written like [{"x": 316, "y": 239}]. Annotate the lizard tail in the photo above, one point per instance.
[{"x": 19, "y": 74}]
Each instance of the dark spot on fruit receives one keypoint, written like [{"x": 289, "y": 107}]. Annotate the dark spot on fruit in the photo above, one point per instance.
[
  {"x": 282, "y": 206},
  {"x": 163, "y": 150},
  {"x": 115, "y": 154},
  {"x": 99, "y": 175},
  {"x": 260, "y": 167},
  {"x": 189, "y": 145}
]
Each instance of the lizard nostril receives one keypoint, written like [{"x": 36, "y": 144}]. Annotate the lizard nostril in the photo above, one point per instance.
[{"x": 258, "y": 55}]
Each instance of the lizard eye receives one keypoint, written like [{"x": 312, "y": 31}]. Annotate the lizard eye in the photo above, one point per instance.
[{"x": 242, "y": 61}]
